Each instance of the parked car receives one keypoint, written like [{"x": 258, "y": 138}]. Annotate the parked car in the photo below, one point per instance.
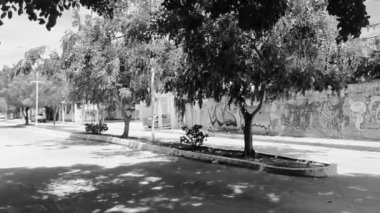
[
  {"x": 165, "y": 121},
  {"x": 41, "y": 117}
]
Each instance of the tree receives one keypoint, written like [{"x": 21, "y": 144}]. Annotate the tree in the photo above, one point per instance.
[
  {"x": 109, "y": 61},
  {"x": 49, "y": 11},
  {"x": 20, "y": 93},
  {"x": 259, "y": 15},
  {"x": 88, "y": 60},
  {"x": 56, "y": 87},
  {"x": 19, "y": 88},
  {"x": 4, "y": 81},
  {"x": 369, "y": 66},
  {"x": 241, "y": 49}
]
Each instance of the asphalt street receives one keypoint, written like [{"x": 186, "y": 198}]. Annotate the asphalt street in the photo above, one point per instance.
[{"x": 47, "y": 171}]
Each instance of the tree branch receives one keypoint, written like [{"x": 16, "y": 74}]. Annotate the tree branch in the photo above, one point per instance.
[
  {"x": 22, "y": 111},
  {"x": 262, "y": 95}
]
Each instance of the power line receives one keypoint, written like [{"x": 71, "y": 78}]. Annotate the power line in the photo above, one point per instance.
[{"x": 372, "y": 37}]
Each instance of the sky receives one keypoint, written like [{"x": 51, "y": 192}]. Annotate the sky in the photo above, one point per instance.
[{"x": 19, "y": 34}]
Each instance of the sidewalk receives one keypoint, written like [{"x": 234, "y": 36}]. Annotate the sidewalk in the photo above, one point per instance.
[{"x": 137, "y": 130}]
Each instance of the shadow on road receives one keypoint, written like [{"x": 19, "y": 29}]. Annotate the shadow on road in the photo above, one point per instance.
[
  {"x": 180, "y": 186},
  {"x": 13, "y": 126}
]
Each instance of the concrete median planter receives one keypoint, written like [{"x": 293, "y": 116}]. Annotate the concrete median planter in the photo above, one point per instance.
[{"x": 326, "y": 170}]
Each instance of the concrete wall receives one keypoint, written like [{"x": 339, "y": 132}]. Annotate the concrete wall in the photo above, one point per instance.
[
  {"x": 163, "y": 105},
  {"x": 115, "y": 114},
  {"x": 355, "y": 113}
]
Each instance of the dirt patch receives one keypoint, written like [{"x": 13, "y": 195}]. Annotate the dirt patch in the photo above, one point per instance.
[{"x": 268, "y": 159}]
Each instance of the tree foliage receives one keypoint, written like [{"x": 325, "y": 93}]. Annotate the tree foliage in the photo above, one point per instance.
[
  {"x": 109, "y": 61},
  {"x": 46, "y": 12},
  {"x": 55, "y": 87},
  {"x": 19, "y": 91},
  {"x": 369, "y": 66},
  {"x": 258, "y": 15},
  {"x": 18, "y": 84}
]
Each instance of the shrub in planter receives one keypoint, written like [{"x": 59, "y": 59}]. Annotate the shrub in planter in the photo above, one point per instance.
[
  {"x": 195, "y": 136},
  {"x": 96, "y": 128}
]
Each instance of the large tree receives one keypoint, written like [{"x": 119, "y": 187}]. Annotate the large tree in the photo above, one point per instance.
[
  {"x": 89, "y": 61},
  {"x": 109, "y": 61},
  {"x": 251, "y": 50},
  {"x": 55, "y": 87},
  {"x": 20, "y": 93}
]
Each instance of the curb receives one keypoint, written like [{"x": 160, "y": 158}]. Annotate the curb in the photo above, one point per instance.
[{"x": 328, "y": 170}]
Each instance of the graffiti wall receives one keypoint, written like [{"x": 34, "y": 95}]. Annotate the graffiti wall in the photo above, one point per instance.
[{"x": 354, "y": 113}]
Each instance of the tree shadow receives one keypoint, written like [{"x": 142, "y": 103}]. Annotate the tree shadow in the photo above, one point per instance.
[
  {"x": 180, "y": 186},
  {"x": 14, "y": 126}
]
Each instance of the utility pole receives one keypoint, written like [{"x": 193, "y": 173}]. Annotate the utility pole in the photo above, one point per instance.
[
  {"x": 63, "y": 110},
  {"x": 37, "y": 82},
  {"x": 152, "y": 101},
  {"x": 36, "y": 113}
]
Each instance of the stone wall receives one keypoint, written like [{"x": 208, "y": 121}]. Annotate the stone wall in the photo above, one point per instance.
[{"x": 354, "y": 113}]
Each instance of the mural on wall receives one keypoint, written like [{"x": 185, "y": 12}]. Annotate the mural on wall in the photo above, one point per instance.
[
  {"x": 357, "y": 109},
  {"x": 371, "y": 116},
  {"x": 221, "y": 114},
  {"x": 224, "y": 116},
  {"x": 333, "y": 115},
  {"x": 354, "y": 113},
  {"x": 297, "y": 116},
  {"x": 320, "y": 117}
]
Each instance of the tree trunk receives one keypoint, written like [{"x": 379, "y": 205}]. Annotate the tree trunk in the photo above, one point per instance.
[
  {"x": 127, "y": 120},
  {"x": 26, "y": 115},
  {"x": 127, "y": 116},
  {"x": 248, "y": 148},
  {"x": 249, "y": 152},
  {"x": 55, "y": 112},
  {"x": 101, "y": 115}
]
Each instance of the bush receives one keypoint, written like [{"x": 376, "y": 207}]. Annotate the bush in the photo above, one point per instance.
[
  {"x": 195, "y": 136},
  {"x": 96, "y": 128}
]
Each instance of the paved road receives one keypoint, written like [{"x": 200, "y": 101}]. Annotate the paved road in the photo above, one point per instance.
[
  {"x": 47, "y": 171},
  {"x": 350, "y": 161}
]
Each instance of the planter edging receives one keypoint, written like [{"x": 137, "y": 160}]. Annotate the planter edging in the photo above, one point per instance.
[{"x": 324, "y": 171}]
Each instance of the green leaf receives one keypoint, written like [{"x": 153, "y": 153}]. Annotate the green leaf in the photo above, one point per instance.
[
  {"x": 41, "y": 21},
  {"x": 3, "y": 15},
  {"x": 10, "y": 14}
]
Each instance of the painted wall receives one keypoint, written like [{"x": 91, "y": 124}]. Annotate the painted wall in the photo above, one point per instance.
[
  {"x": 164, "y": 105},
  {"x": 355, "y": 113}
]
